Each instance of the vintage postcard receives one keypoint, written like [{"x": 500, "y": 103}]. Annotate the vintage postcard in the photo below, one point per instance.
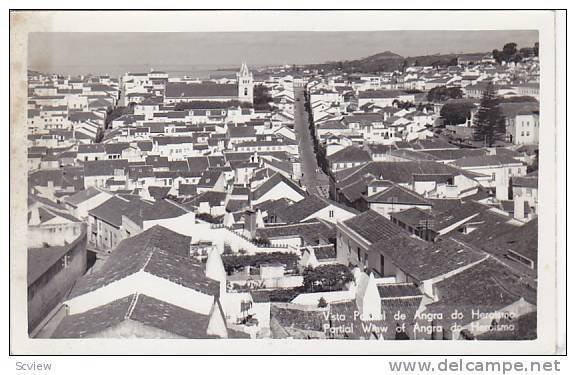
[{"x": 282, "y": 182}]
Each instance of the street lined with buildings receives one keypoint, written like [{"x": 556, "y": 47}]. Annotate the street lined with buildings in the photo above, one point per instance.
[{"x": 164, "y": 206}]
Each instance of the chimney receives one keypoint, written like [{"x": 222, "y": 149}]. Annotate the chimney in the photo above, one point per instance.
[
  {"x": 34, "y": 216},
  {"x": 250, "y": 223},
  {"x": 519, "y": 208}
]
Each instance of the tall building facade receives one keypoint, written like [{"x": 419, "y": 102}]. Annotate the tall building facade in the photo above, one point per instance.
[{"x": 245, "y": 84}]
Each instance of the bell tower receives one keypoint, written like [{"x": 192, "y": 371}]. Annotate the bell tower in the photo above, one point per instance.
[{"x": 245, "y": 84}]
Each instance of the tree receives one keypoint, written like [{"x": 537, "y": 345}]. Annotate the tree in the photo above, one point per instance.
[
  {"x": 330, "y": 277},
  {"x": 456, "y": 112},
  {"x": 489, "y": 122},
  {"x": 536, "y": 49},
  {"x": 534, "y": 166},
  {"x": 526, "y": 52},
  {"x": 453, "y": 62},
  {"x": 497, "y": 55},
  {"x": 425, "y": 106},
  {"x": 99, "y": 135},
  {"x": 518, "y": 99},
  {"x": 112, "y": 114},
  {"x": 404, "y": 66},
  {"x": 443, "y": 93},
  {"x": 262, "y": 98},
  {"x": 322, "y": 302},
  {"x": 509, "y": 51},
  {"x": 401, "y": 104}
]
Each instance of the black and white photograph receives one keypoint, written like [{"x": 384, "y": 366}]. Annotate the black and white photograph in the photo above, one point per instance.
[{"x": 328, "y": 185}]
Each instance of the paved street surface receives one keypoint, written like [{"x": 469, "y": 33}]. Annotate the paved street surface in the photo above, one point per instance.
[{"x": 314, "y": 179}]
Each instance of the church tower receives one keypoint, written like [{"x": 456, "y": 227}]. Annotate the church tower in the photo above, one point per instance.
[{"x": 245, "y": 84}]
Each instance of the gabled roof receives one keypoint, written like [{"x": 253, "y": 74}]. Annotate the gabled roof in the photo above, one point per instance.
[
  {"x": 412, "y": 216},
  {"x": 299, "y": 211},
  {"x": 140, "y": 171},
  {"x": 199, "y": 90},
  {"x": 236, "y": 205},
  {"x": 398, "y": 172},
  {"x": 466, "y": 210},
  {"x": 134, "y": 209},
  {"x": 332, "y": 124},
  {"x": 91, "y": 148},
  {"x": 158, "y": 251},
  {"x": 528, "y": 182},
  {"x": 520, "y": 239},
  {"x": 379, "y": 94},
  {"x": 272, "y": 182},
  {"x": 82, "y": 196},
  {"x": 363, "y": 118},
  {"x": 158, "y": 192},
  {"x": 397, "y": 194},
  {"x": 63, "y": 177},
  {"x": 310, "y": 231},
  {"x": 352, "y": 181},
  {"x": 104, "y": 167},
  {"x": 486, "y": 287},
  {"x": 83, "y": 116},
  {"x": 209, "y": 178},
  {"x": 454, "y": 154},
  {"x": 485, "y": 161},
  {"x": 350, "y": 154},
  {"x": 241, "y": 131},
  {"x": 273, "y": 207},
  {"x": 187, "y": 190},
  {"x": 424, "y": 260},
  {"x": 41, "y": 259},
  {"x": 387, "y": 291},
  {"x": 136, "y": 307},
  {"x": 214, "y": 198},
  {"x": 116, "y": 148},
  {"x": 374, "y": 227}
]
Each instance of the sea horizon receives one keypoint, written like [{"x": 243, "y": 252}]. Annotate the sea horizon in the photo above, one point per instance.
[{"x": 174, "y": 70}]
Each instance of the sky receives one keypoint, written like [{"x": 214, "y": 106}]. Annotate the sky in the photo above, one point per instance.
[{"x": 116, "y": 53}]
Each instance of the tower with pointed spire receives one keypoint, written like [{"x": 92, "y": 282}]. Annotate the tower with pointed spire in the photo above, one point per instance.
[{"x": 245, "y": 84}]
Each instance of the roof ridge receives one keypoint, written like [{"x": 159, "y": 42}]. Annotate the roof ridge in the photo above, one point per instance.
[{"x": 132, "y": 305}]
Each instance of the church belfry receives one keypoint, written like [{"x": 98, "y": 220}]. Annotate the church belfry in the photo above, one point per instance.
[{"x": 245, "y": 84}]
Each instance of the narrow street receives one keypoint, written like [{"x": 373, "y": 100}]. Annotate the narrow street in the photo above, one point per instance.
[{"x": 314, "y": 179}]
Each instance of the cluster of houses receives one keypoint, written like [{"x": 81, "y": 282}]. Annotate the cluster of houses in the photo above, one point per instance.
[
  {"x": 188, "y": 219},
  {"x": 392, "y": 107}
]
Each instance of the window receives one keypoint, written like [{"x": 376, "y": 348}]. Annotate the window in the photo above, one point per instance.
[
  {"x": 527, "y": 134},
  {"x": 522, "y": 134},
  {"x": 382, "y": 264},
  {"x": 493, "y": 176},
  {"x": 66, "y": 260},
  {"x": 331, "y": 213},
  {"x": 359, "y": 255}
]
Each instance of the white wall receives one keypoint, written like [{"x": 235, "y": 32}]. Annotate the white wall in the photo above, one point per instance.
[
  {"x": 281, "y": 190},
  {"x": 145, "y": 283}
]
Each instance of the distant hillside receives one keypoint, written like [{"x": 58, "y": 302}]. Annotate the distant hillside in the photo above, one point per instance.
[
  {"x": 385, "y": 61},
  {"x": 441, "y": 60},
  {"x": 381, "y": 57},
  {"x": 389, "y": 61}
]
